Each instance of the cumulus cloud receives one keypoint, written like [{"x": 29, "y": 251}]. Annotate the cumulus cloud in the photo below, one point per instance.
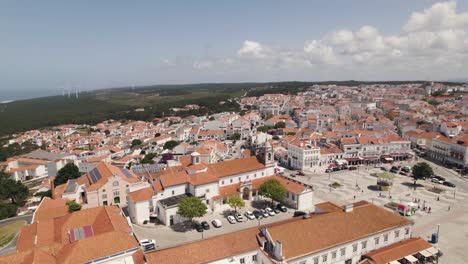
[{"x": 428, "y": 40}]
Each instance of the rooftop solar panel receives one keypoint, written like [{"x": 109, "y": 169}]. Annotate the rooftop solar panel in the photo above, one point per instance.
[
  {"x": 126, "y": 172},
  {"x": 80, "y": 233},
  {"x": 91, "y": 175},
  {"x": 97, "y": 173}
]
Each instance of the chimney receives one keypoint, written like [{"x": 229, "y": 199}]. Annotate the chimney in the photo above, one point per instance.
[{"x": 348, "y": 208}]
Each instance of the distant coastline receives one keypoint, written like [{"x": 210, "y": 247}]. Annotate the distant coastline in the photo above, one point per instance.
[{"x": 7, "y": 101}]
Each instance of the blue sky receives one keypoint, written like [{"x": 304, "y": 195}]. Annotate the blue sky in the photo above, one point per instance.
[{"x": 46, "y": 45}]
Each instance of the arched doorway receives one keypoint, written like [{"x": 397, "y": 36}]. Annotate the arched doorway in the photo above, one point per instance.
[
  {"x": 116, "y": 200},
  {"x": 246, "y": 193}
]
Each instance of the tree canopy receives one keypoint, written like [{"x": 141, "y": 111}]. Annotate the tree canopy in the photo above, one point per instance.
[
  {"x": 170, "y": 144},
  {"x": 280, "y": 125},
  {"x": 191, "y": 207},
  {"x": 235, "y": 136},
  {"x": 273, "y": 189},
  {"x": 73, "y": 206},
  {"x": 69, "y": 171},
  {"x": 15, "y": 191},
  {"x": 148, "y": 159},
  {"x": 421, "y": 170},
  {"x": 136, "y": 142},
  {"x": 235, "y": 202}
]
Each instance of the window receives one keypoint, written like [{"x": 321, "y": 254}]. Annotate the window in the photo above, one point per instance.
[
  {"x": 316, "y": 260},
  {"x": 376, "y": 240},
  {"x": 364, "y": 244},
  {"x": 324, "y": 258},
  {"x": 342, "y": 252},
  {"x": 255, "y": 175},
  {"x": 254, "y": 258},
  {"x": 333, "y": 254},
  {"x": 385, "y": 238},
  {"x": 222, "y": 182},
  {"x": 355, "y": 248},
  {"x": 116, "y": 193},
  {"x": 263, "y": 173},
  {"x": 247, "y": 176},
  {"x": 240, "y": 178},
  {"x": 407, "y": 231},
  {"x": 103, "y": 190},
  {"x": 231, "y": 180},
  {"x": 116, "y": 183},
  {"x": 242, "y": 261},
  {"x": 397, "y": 233},
  {"x": 104, "y": 196},
  {"x": 104, "y": 203}
]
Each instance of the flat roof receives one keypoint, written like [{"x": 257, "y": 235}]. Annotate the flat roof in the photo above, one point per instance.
[{"x": 174, "y": 200}]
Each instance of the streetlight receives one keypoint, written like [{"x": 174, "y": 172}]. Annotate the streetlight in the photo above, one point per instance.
[{"x": 438, "y": 238}]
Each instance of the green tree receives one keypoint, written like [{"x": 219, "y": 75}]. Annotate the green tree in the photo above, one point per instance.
[
  {"x": 421, "y": 170},
  {"x": 191, "y": 207},
  {"x": 280, "y": 125},
  {"x": 69, "y": 171},
  {"x": 170, "y": 144},
  {"x": 148, "y": 159},
  {"x": 73, "y": 206},
  {"x": 275, "y": 137},
  {"x": 15, "y": 191},
  {"x": 273, "y": 189},
  {"x": 136, "y": 142},
  {"x": 235, "y": 202},
  {"x": 7, "y": 210},
  {"x": 235, "y": 136}
]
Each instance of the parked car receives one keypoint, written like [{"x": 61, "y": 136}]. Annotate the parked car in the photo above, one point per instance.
[
  {"x": 301, "y": 173},
  {"x": 403, "y": 173},
  {"x": 282, "y": 208},
  {"x": 239, "y": 217},
  {"x": 329, "y": 170},
  {"x": 436, "y": 180},
  {"x": 217, "y": 223},
  {"x": 406, "y": 169},
  {"x": 336, "y": 169},
  {"x": 384, "y": 168},
  {"x": 393, "y": 171},
  {"x": 270, "y": 211},
  {"x": 306, "y": 216},
  {"x": 439, "y": 177},
  {"x": 249, "y": 215},
  {"x": 148, "y": 244},
  {"x": 276, "y": 210},
  {"x": 231, "y": 219},
  {"x": 449, "y": 184},
  {"x": 205, "y": 225},
  {"x": 299, "y": 213},
  {"x": 198, "y": 227},
  {"x": 258, "y": 214},
  {"x": 352, "y": 168},
  {"x": 264, "y": 213}
]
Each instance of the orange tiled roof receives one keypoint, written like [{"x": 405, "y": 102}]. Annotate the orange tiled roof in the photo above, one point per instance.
[
  {"x": 144, "y": 194},
  {"x": 398, "y": 250}
]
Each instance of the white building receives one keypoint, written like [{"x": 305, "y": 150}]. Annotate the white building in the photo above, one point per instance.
[{"x": 303, "y": 155}]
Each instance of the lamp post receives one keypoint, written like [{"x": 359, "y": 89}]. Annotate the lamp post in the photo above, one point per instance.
[{"x": 438, "y": 238}]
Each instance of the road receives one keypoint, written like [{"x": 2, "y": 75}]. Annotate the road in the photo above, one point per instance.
[{"x": 11, "y": 247}]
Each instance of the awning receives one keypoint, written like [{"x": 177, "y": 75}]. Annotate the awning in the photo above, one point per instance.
[
  {"x": 371, "y": 158},
  {"x": 425, "y": 253},
  {"x": 411, "y": 259},
  {"x": 432, "y": 250},
  {"x": 394, "y": 262},
  {"x": 388, "y": 159}
]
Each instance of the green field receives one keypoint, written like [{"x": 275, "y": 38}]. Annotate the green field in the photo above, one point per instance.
[{"x": 8, "y": 231}]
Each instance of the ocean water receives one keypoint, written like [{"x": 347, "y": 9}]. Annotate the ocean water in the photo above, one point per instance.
[{"x": 14, "y": 95}]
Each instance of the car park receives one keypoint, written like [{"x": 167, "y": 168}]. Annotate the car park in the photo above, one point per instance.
[
  {"x": 217, "y": 223},
  {"x": 205, "y": 225},
  {"x": 282, "y": 208},
  {"x": 198, "y": 227},
  {"x": 249, "y": 215},
  {"x": 231, "y": 219},
  {"x": 258, "y": 214},
  {"x": 449, "y": 184},
  {"x": 299, "y": 213},
  {"x": 239, "y": 217},
  {"x": 270, "y": 211}
]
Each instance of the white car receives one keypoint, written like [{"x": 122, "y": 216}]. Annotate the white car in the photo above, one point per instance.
[
  {"x": 435, "y": 180},
  {"x": 148, "y": 244},
  {"x": 249, "y": 215},
  {"x": 270, "y": 211},
  {"x": 239, "y": 217},
  {"x": 217, "y": 223},
  {"x": 231, "y": 219}
]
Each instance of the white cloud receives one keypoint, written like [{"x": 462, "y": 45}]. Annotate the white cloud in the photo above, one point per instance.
[{"x": 433, "y": 43}]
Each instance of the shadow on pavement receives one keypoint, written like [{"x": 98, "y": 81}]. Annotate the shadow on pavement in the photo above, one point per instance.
[{"x": 182, "y": 227}]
